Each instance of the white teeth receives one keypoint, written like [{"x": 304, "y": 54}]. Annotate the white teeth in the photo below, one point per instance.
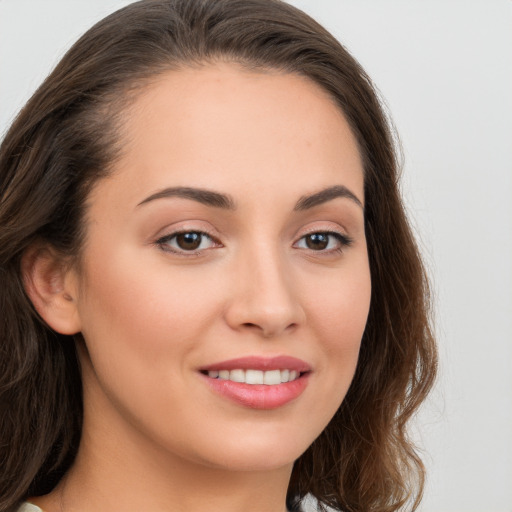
[
  {"x": 237, "y": 375},
  {"x": 269, "y": 378},
  {"x": 272, "y": 377},
  {"x": 253, "y": 376}
]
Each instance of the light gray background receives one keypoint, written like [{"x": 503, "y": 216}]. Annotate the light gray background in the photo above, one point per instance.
[{"x": 445, "y": 69}]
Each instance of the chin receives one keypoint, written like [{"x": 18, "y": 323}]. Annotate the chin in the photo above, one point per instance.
[{"x": 251, "y": 452}]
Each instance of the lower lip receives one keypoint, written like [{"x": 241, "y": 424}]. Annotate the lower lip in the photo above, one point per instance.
[{"x": 259, "y": 396}]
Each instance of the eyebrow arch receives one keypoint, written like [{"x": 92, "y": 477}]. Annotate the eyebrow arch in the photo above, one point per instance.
[
  {"x": 328, "y": 194},
  {"x": 207, "y": 197}
]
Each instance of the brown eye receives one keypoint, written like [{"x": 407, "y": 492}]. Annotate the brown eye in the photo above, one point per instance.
[
  {"x": 317, "y": 241},
  {"x": 324, "y": 241},
  {"x": 189, "y": 241}
]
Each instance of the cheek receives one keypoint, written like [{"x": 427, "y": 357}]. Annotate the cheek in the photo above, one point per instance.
[
  {"x": 340, "y": 309},
  {"x": 142, "y": 325},
  {"x": 136, "y": 309},
  {"x": 338, "y": 316}
]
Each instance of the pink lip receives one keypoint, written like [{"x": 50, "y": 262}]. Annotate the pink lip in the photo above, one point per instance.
[
  {"x": 259, "y": 396},
  {"x": 260, "y": 363}
]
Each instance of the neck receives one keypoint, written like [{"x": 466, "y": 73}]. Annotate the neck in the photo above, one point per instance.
[
  {"x": 176, "y": 486},
  {"x": 173, "y": 486}
]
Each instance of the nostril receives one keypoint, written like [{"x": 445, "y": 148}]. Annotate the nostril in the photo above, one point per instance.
[{"x": 269, "y": 331}]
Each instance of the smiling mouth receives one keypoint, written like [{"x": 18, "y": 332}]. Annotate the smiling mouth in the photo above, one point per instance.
[
  {"x": 250, "y": 376},
  {"x": 256, "y": 382}
]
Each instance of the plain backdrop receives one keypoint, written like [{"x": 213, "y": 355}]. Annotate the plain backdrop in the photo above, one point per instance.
[{"x": 444, "y": 68}]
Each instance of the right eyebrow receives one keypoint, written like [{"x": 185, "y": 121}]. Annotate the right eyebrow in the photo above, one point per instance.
[{"x": 201, "y": 195}]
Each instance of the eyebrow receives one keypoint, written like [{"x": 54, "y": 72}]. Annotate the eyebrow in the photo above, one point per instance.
[
  {"x": 224, "y": 201},
  {"x": 325, "y": 195},
  {"x": 207, "y": 197}
]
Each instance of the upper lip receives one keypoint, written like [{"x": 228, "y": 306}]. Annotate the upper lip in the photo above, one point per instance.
[{"x": 260, "y": 363}]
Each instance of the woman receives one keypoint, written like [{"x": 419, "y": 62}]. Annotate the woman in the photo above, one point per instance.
[{"x": 211, "y": 298}]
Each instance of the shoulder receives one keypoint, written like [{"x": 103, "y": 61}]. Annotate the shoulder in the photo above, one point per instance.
[{"x": 28, "y": 507}]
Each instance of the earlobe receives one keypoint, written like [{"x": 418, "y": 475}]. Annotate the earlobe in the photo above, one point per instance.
[{"x": 51, "y": 286}]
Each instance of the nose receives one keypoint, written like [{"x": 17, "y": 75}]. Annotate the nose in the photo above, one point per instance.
[{"x": 264, "y": 296}]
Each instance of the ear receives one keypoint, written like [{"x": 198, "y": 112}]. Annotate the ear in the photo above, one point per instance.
[{"x": 52, "y": 287}]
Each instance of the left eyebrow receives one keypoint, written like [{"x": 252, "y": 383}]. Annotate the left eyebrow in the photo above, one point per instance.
[{"x": 325, "y": 195}]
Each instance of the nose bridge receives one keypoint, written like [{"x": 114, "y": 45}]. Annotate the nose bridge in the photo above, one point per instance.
[
  {"x": 271, "y": 276},
  {"x": 265, "y": 298}
]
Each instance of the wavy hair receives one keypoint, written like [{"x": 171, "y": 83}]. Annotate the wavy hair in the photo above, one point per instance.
[{"x": 67, "y": 137}]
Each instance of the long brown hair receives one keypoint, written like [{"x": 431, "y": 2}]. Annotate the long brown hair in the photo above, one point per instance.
[{"x": 67, "y": 137}]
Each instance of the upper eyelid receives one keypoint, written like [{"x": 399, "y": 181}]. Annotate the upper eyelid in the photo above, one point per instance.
[
  {"x": 322, "y": 227},
  {"x": 342, "y": 237},
  {"x": 171, "y": 235},
  {"x": 318, "y": 226},
  {"x": 208, "y": 233},
  {"x": 162, "y": 243},
  {"x": 323, "y": 230},
  {"x": 186, "y": 227}
]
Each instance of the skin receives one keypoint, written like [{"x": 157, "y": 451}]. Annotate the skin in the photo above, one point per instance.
[{"x": 151, "y": 314}]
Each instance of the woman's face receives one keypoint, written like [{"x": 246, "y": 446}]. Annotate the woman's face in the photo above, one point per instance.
[{"x": 228, "y": 245}]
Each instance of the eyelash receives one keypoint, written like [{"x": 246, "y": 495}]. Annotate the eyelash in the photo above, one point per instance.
[
  {"x": 163, "y": 242},
  {"x": 344, "y": 241}
]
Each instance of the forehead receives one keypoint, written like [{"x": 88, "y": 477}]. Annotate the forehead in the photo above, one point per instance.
[{"x": 224, "y": 126}]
